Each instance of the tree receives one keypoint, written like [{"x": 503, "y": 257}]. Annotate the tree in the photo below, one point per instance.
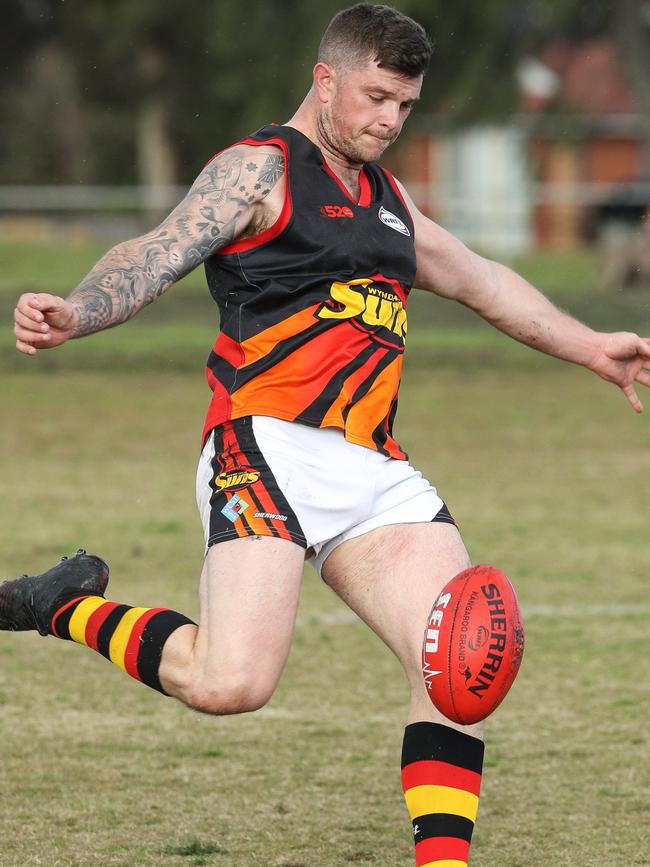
[
  {"x": 633, "y": 37},
  {"x": 144, "y": 91}
]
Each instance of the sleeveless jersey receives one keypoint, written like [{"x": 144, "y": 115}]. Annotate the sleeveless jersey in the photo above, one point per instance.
[{"x": 313, "y": 310}]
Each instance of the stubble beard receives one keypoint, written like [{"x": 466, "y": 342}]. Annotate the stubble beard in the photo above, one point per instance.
[{"x": 341, "y": 146}]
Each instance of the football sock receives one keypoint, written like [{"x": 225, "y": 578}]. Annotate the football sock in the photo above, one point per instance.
[
  {"x": 131, "y": 638},
  {"x": 441, "y": 780}
]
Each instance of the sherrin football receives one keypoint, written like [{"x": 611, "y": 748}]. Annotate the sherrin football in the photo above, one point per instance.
[{"x": 473, "y": 644}]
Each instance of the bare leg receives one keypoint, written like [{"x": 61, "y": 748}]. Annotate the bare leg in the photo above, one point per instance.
[
  {"x": 391, "y": 577},
  {"x": 249, "y": 597}
]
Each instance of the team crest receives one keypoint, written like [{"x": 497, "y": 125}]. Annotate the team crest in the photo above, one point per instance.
[{"x": 236, "y": 479}]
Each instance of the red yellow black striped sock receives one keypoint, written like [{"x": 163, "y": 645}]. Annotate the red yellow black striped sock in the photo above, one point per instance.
[
  {"x": 131, "y": 638},
  {"x": 441, "y": 779}
]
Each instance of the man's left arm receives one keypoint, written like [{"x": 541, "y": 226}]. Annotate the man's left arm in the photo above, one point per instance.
[{"x": 506, "y": 300}]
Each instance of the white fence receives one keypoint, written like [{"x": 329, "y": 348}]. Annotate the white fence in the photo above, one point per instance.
[{"x": 490, "y": 209}]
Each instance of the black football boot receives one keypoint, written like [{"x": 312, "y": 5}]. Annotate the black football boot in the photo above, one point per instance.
[{"x": 31, "y": 601}]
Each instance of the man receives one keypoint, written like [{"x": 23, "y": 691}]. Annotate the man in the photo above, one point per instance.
[{"x": 310, "y": 251}]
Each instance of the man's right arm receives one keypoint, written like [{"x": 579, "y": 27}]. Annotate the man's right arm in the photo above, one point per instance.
[{"x": 224, "y": 203}]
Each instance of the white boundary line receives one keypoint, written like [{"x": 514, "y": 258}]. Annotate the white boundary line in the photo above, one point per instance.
[{"x": 569, "y": 612}]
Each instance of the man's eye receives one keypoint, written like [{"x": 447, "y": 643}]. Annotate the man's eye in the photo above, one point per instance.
[{"x": 376, "y": 98}]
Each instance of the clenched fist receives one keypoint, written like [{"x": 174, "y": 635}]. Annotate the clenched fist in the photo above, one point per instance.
[{"x": 42, "y": 321}]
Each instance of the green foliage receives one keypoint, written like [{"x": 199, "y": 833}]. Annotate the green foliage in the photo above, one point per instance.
[
  {"x": 76, "y": 76},
  {"x": 193, "y": 847}
]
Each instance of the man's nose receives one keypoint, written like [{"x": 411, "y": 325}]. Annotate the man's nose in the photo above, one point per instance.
[{"x": 390, "y": 115}]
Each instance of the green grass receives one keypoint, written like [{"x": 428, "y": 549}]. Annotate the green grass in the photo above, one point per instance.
[{"x": 546, "y": 470}]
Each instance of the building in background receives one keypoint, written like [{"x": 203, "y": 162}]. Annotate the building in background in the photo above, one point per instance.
[{"x": 567, "y": 169}]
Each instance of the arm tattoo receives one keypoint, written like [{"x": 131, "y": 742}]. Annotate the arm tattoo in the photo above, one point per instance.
[
  {"x": 215, "y": 211},
  {"x": 272, "y": 170}
]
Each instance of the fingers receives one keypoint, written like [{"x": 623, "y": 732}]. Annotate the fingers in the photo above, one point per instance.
[
  {"x": 633, "y": 398},
  {"x": 29, "y": 341},
  {"x": 41, "y": 320},
  {"x": 33, "y": 323},
  {"x": 26, "y": 348},
  {"x": 34, "y": 305},
  {"x": 30, "y": 328},
  {"x": 643, "y": 377}
]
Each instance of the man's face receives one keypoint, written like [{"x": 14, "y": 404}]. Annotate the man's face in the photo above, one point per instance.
[{"x": 366, "y": 110}]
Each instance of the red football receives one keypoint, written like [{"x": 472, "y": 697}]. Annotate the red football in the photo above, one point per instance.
[{"x": 473, "y": 644}]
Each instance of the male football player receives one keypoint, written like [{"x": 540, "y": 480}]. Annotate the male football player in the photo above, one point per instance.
[{"x": 310, "y": 250}]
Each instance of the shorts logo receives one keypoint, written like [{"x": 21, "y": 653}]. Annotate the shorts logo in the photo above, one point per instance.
[
  {"x": 270, "y": 516},
  {"x": 234, "y": 508},
  {"x": 389, "y": 219},
  {"x": 236, "y": 479}
]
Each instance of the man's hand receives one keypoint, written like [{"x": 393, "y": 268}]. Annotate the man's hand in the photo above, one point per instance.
[
  {"x": 624, "y": 359},
  {"x": 42, "y": 321}
]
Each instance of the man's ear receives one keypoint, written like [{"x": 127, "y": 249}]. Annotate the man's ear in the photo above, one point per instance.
[{"x": 324, "y": 82}]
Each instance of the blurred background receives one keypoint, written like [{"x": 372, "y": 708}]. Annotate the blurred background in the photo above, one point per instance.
[{"x": 533, "y": 131}]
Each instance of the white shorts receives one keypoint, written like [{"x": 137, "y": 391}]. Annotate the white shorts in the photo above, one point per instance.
[{"x": 265, "y": 476}]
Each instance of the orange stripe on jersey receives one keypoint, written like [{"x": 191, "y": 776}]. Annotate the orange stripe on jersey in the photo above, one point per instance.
[
  {"x": 284, "y": 391},
  {"x": 261, "y": 344},
  {"x": 334, "y": 416},
  {"x": 369, "y": 412}
]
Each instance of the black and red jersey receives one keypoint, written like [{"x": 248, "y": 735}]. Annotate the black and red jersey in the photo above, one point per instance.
[{"x": 313, "y": 310}]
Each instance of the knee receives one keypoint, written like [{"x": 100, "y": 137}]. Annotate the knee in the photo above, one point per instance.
[{"x": 233, "y": 695}]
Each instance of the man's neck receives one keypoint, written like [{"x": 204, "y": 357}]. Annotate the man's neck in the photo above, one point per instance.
[{"x": 304, "y": 120}]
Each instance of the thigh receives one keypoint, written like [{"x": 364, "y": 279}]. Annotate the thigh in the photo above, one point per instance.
[
  {"x": 249, "y": 593},
  {"x": 391, "y": 578},
  {"x": 249, "y": 598}
]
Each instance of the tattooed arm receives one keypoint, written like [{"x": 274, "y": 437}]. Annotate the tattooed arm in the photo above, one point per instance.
[{"x": 237, "y": 193}]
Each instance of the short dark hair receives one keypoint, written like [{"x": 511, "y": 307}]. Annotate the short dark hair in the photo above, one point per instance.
[{"x": 370, "y": 31}]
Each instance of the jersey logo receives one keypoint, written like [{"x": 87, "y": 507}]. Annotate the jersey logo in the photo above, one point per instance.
[
  {"x": 336, "y": 211},
  {"x": 370, "y": 305},
  {"x": 393, "y": 222}
]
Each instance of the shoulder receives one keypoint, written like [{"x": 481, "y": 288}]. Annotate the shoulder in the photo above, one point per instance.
[
  {"x": 250, "y": 172},
  {"x": 242, "y": 161}
]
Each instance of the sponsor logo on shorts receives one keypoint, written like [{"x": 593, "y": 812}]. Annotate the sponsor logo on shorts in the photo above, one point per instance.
[
  {"x": 270, "y": 515},
  {"x": 234, "y": 508},
  {"x": 389, "y": 219},
  {"x": 236, "y": 479}
]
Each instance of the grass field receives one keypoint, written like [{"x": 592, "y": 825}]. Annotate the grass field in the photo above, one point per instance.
[{"x": 546, "y": 470}]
